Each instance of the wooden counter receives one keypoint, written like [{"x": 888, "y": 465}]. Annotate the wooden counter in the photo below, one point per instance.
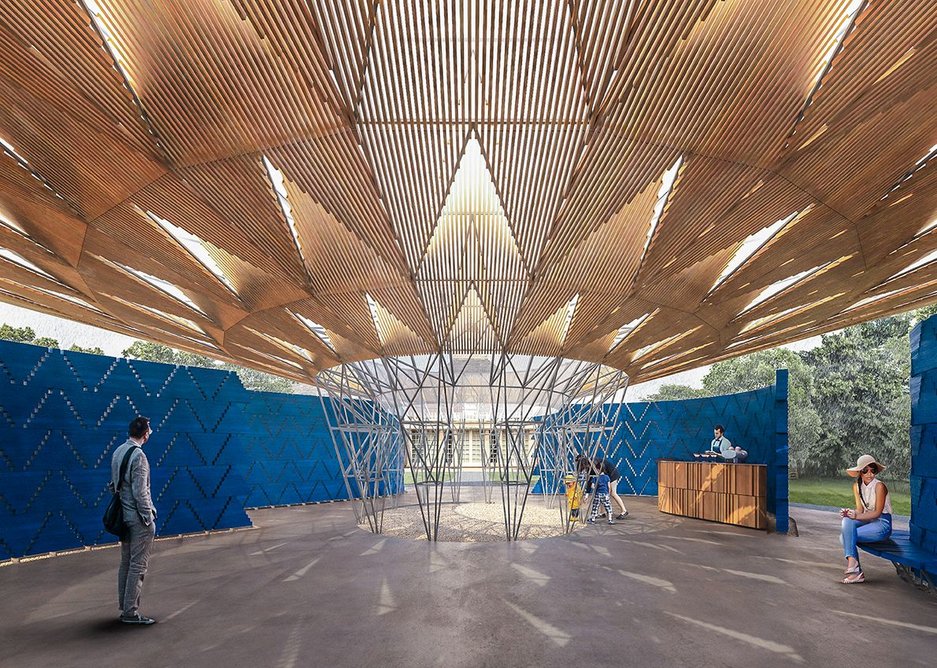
[{"x": 728, "y": 493}]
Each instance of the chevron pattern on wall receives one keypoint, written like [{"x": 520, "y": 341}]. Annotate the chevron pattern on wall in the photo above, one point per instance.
[
  {"x": 756, "y": 421},
  {"x": 216, "y": 449}
]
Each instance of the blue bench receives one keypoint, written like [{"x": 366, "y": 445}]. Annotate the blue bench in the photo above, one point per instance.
[{"x": 913, "y": 563}]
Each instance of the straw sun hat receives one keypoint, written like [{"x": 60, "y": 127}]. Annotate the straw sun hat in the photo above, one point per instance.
[{"x": 862, "y": 462}]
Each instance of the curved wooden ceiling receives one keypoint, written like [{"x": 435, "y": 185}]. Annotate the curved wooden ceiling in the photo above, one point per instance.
[{"x": 290, "y": 184}]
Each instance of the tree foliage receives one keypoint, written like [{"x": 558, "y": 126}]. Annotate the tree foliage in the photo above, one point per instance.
[
  {"x": 674, "y": 392},
  {"x": 862, "y": 393},
  {"x": 17, "y": 334},
  {"x": 157, "y": 352},
  {"x": 250, "y": 378},
  {"x": 848, "y": 396},
  {"x": 79, "y": 349},
  {"x": 45, "y": 342},
  {"x": 26, "y": 335},
  {"x": 758, "y": 369}
]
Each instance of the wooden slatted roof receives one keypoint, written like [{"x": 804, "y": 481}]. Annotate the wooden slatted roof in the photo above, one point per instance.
[{"x": 658, "y": 185}]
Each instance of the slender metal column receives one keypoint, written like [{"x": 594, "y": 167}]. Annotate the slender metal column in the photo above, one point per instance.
[{"x": 533, "y": 415}]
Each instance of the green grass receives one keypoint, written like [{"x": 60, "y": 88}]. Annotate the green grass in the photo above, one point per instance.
[{"x": 837, "y": 492}]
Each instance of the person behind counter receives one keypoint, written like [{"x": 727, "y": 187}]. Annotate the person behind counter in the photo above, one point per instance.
[
  {"x": 870, "y": 520},
  {"x": 724, "y": 446}
]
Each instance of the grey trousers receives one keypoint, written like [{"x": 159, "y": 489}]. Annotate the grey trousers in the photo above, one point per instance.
[{"x": 134, "y": 556}]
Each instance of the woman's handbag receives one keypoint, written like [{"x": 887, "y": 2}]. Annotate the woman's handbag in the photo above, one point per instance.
[{"x": 114, "y": 513}]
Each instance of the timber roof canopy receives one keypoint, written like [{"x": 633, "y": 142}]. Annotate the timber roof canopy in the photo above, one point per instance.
[{"x": 290, "y": 184}]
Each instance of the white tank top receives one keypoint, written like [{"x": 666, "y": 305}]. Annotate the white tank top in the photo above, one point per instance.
[{"x": 868, "y": 492}]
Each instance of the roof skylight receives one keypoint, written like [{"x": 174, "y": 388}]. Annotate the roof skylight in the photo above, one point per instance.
[
  {"x": 198, "y": 248},
  {"x": 24, "y": 163},
  {"x": 21, "y": 261},
  {"x": 663, "y": 343},
  {"x": 750, "y": 246},
  {"x": 19, "y": 230},
  {"x": 845, "y": 27},
  {"x": 927, "y": 228},
  {"x": 667, "y": 182},
  {"x": 570, "y": 312},
  {"x": 676, "y": 356},
  {"x": 626, "y": 329},
  {"x": 780, "y": 286},
  {"x": 318, "y": 330},
  {"x": 872, "y": 299},
  {"x": 69, "y": 298},
  {"x": 9, "y": 150},
  {"x": 279, "y": 187},
  {"x": 917, "y": 264},
  {"x": 163, "y": 286},
  {"x": 919, "y": 165},
  {"x": 162, "y": 315},
  {"x": 280, "y": 343},
  {"x": 107, "y": 37},
  {"x": 775, "y": 318},
  {"x": 375, "y": 316}
]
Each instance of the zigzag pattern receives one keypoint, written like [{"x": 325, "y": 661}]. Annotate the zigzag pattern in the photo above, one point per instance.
[
  {"x": 293, "y": 459},
  {"x": 648, "y": 431},
  {"x": 216, "y": 449},
  {"x": 676, "y": 429}
]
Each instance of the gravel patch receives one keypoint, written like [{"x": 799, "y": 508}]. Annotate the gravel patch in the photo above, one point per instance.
[{"x": 473, "y": 522}]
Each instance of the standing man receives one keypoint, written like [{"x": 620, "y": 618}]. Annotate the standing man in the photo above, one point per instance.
[
  {"x": 139, "y": 518},
  {"x": 724, "y": 446}
]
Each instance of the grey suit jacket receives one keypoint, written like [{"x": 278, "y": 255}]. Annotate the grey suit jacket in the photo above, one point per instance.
[{"x": 135, "y": 493}]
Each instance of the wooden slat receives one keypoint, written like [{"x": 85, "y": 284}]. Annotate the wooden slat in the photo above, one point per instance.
[{"x": 474, "y": 167}]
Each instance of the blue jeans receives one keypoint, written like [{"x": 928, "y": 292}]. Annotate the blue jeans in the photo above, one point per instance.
[{"x": 859, "y": 531}]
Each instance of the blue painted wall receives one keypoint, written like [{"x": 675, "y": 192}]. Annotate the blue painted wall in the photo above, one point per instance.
[
  {"x": 923, "y": 524},
  {"x": 216, "y": 449},
  {"x": 756, "y": 421}
]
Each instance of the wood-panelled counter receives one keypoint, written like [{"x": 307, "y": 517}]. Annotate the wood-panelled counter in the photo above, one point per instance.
[{"x": 728, "y": 493}]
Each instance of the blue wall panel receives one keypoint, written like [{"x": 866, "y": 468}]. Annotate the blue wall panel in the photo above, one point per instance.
[
  {"x": 216, "y": 449},
  {"x": 924, "y": 434},
  {"x": 756, "y": 421}
]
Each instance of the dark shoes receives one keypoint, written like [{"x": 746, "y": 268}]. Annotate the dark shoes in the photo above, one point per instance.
[
  {"x": 137, "y": 619},
  {"x": 622, "y": 516}
]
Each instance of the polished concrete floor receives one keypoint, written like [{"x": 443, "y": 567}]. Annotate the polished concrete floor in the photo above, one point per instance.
[{"x": 308, "y": 588}]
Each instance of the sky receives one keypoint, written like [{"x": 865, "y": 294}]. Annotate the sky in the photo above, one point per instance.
[
  {"x": 65, "y": 331},
  {"x": 68, "y": 333}
]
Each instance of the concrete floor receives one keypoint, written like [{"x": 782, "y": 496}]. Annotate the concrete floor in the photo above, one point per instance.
[{"x": 307, "y": 588}]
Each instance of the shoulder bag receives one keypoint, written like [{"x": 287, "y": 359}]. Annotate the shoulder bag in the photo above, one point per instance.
[{"x": 114, "y": 514}]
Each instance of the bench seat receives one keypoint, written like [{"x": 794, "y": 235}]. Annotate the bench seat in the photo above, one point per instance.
[{"x": 900, "y": 550}]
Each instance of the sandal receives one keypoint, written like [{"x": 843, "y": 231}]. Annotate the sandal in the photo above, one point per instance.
[{"x": 854, "y": 577}]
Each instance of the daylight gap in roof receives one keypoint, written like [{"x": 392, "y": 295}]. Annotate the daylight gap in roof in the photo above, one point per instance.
[
  {"x": 196, "y": 247},
  {"x": 163, "y": 286},
  {"x": 279, "y": 187},
  {"x": 752, "y": 244}
]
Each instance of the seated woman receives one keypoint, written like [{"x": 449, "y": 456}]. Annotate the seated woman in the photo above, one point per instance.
[{"x": 870, "y": 521}]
